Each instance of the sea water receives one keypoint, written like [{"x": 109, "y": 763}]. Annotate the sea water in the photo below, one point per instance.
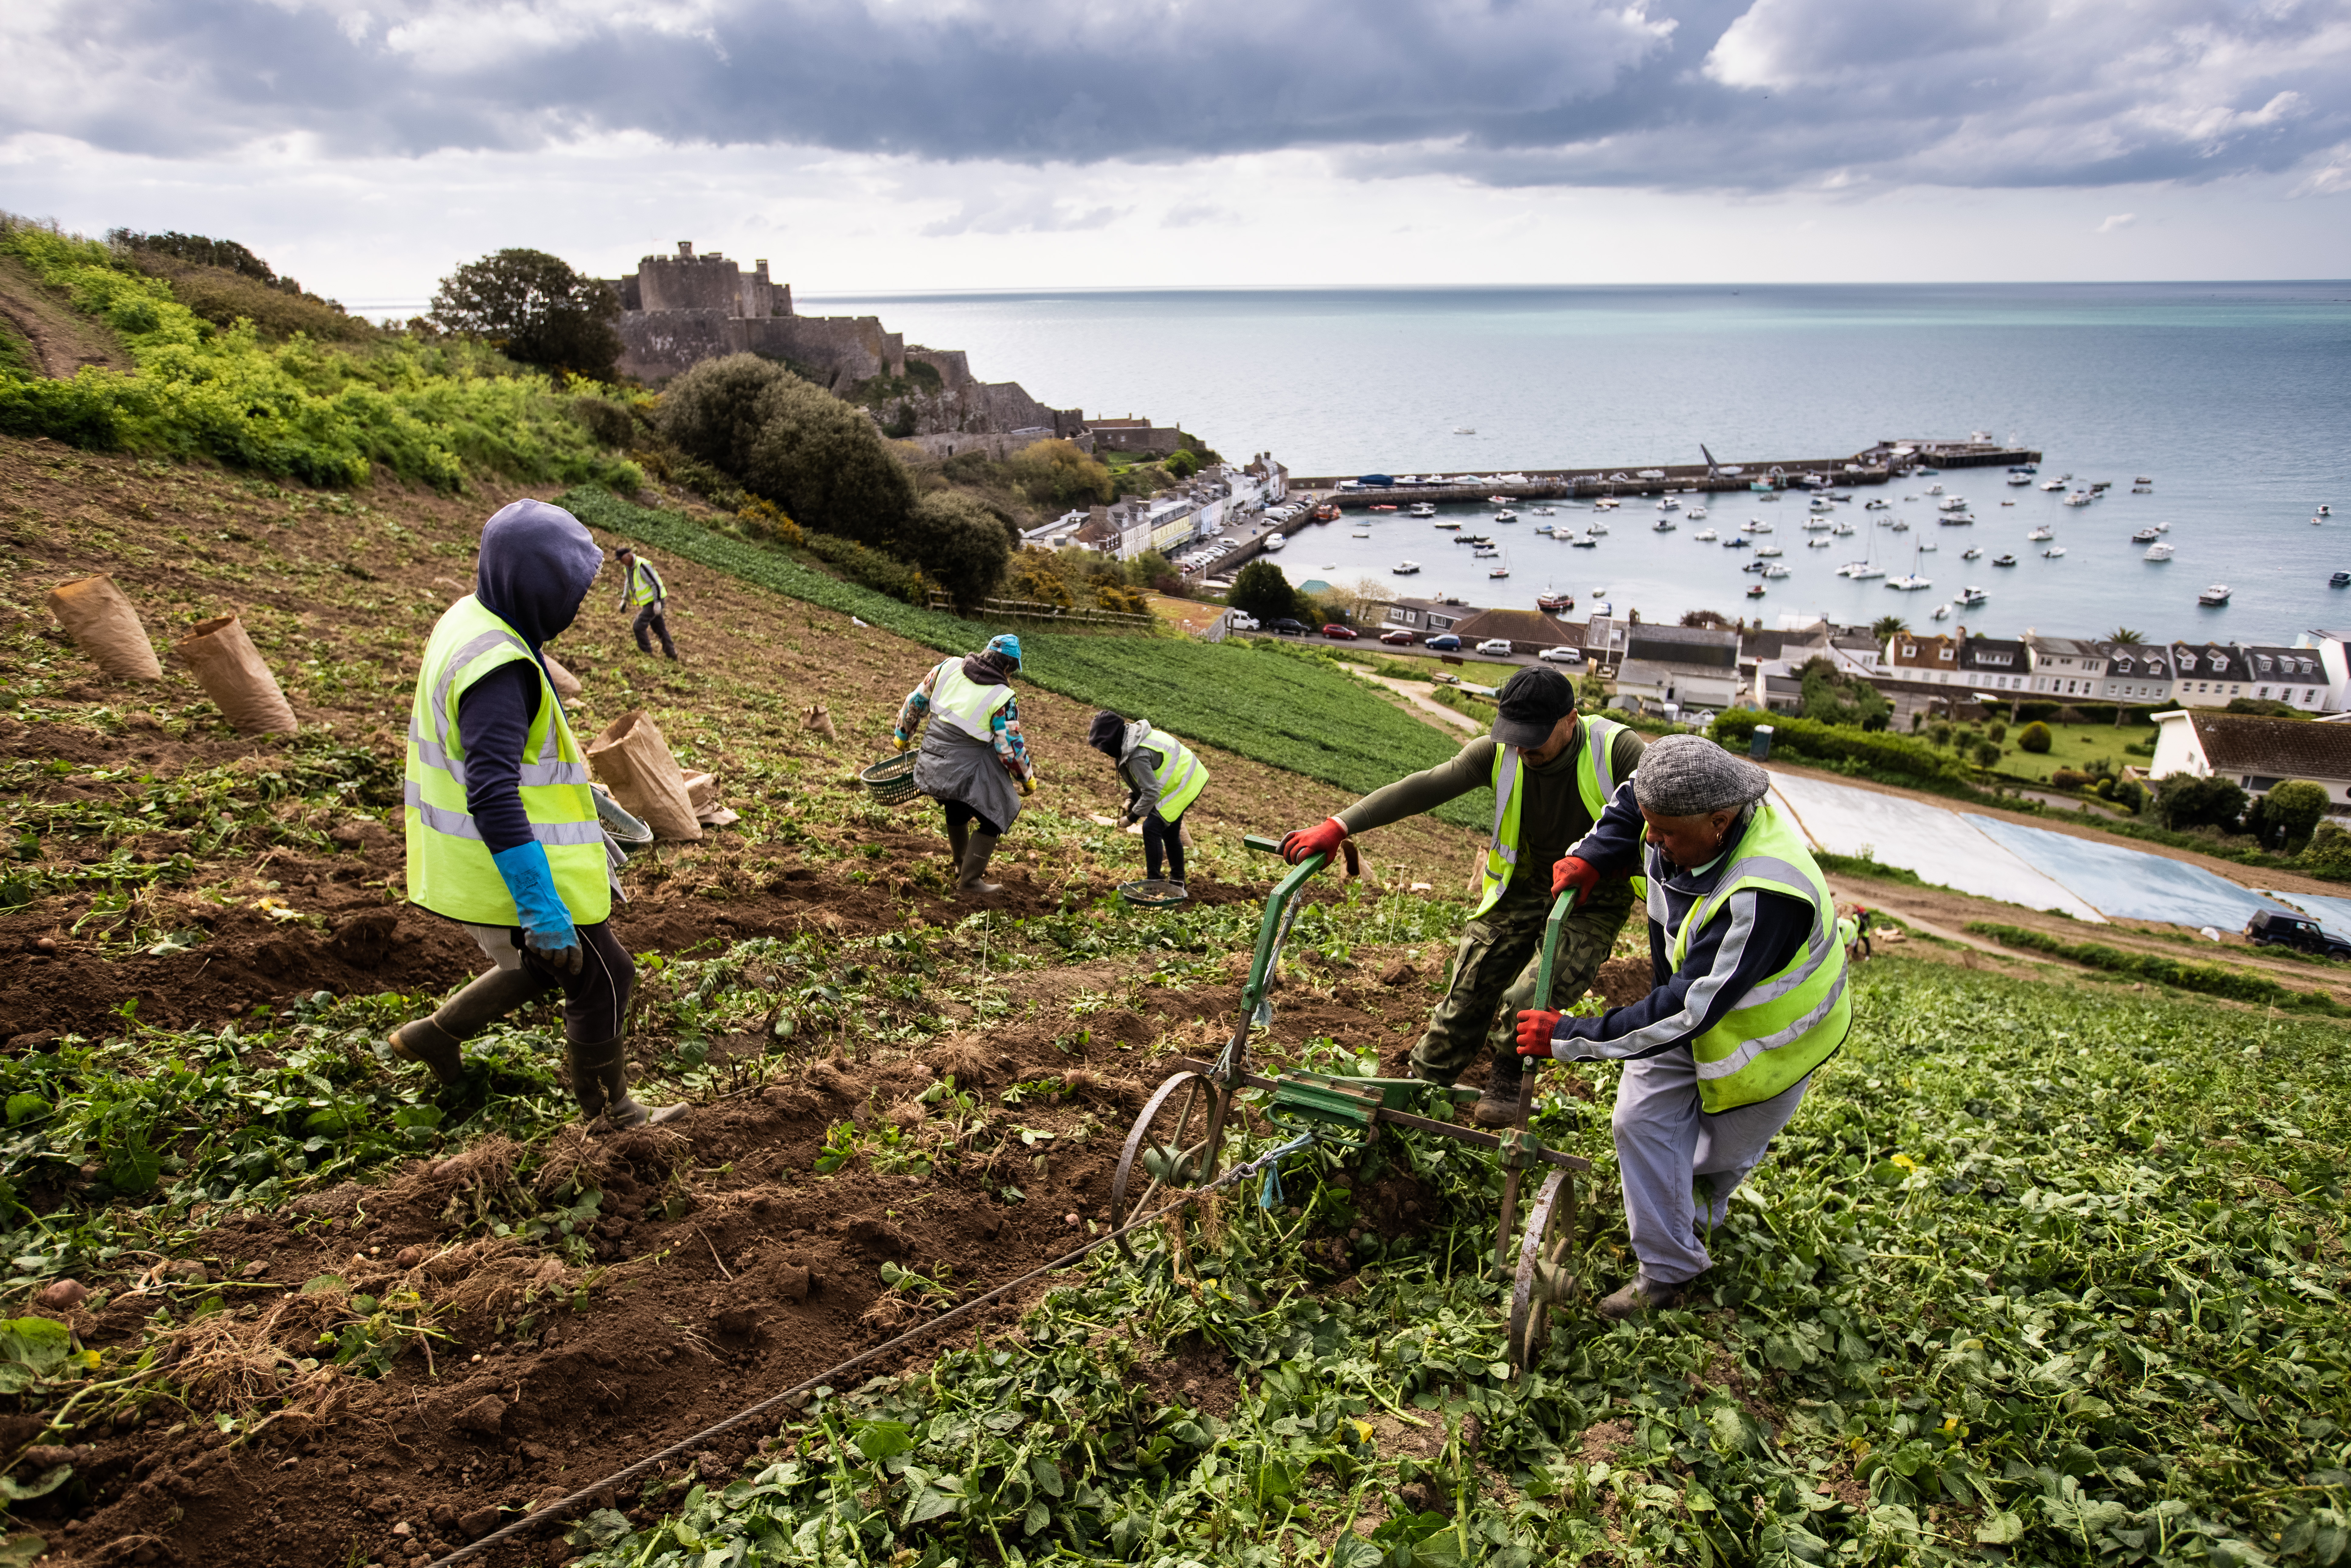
[{"x": 2233, "y": 399}]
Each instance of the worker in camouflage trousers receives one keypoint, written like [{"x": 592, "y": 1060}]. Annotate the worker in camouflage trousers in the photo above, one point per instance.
[
  {"x": 974, "y": 760},
  {"x": 642, "y": 586},
  {"x": 1553, "y": 772},
  {"x": 503, "y": 830},
  {"x": 1162, "y": 779}
]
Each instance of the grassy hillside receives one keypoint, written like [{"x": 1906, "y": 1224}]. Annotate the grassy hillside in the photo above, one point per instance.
[{"x": 1291, "y": 714}]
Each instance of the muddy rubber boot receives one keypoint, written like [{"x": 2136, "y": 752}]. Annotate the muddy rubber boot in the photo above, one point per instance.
[
  {"x": 1638, "y": 1297},
  {"x": 599, "y": 1081},
  {"x": 1498, "y": 1106},
  {"x": 975, "y": 864},
  {"x": 423, "y": 1041},
  {"x": 958, "y": 843}
]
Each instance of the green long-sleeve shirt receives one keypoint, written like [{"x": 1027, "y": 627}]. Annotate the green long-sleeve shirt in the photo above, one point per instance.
[{"x": 1552, "y": 815}]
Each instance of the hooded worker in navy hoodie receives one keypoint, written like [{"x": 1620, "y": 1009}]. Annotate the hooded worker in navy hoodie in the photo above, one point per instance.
[{"x": 503, "y": 835}]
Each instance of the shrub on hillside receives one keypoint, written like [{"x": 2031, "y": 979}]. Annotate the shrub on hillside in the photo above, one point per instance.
[
  {"x": 1879, "y": 751},
  {"x": 535, "y": 309},
  {"x": 2329, "y": 850},
  {"x": 2034, "y": 738},
  {"x": 824, "y": 462},
  {"x": 2286, "y": 816},
  {"x": 2184, "y": 801},
  {"x": 1056, "y": 473},
  {"x": 960, "y": 543},
  {"x": 712, "y": 412},
  {"x": 278, "y": 309},
  {"x": 2070, "y": 778},
  {"x": 1987, "y": 754}
]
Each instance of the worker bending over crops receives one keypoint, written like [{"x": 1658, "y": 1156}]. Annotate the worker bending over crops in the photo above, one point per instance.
[
  {"x": 973, "y": 761},
  {"x": 1749, "y": 964},
  {"x": 1162, "y": 779},
  {"x": 641, "y": 585},
  {"x": 1553, "y": 772},
  {"x": 502, "y": 829}
]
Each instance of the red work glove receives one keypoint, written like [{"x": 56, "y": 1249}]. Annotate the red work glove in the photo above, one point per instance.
[
  {"x": 1323, "y": 838},
  {"x": 1535, "y": 1027},
  {"x": 1579, "y": 874}
]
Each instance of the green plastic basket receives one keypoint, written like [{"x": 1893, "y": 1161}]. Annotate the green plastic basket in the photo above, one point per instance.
[
  {"x": 891, "y": 782},
  {"x": 1150, "y": 894}
]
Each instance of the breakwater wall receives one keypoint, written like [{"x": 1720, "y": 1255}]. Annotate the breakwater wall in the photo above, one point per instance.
[{"x": 1875, "y": 466}]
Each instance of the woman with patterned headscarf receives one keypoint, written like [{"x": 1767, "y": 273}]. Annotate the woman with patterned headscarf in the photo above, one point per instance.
[{"x": 974, "y": 760}]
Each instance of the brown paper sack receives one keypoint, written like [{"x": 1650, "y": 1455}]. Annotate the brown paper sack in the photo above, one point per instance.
[
  {"x": 633, "y": 760},
  {"x": 566, "y": 684},
  {"x": 229, "y": 668},
  {"x": 820, "y": 719},
  {"x": 102, "y": 624}
]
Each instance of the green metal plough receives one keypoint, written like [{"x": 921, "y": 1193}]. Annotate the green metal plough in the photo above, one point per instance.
[{"x": 1179, "y": 1141}]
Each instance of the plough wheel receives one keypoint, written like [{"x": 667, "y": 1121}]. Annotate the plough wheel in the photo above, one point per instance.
[
  {"x": 1542, "y": 1281},
  {"x": 1178, "y": 1144}
]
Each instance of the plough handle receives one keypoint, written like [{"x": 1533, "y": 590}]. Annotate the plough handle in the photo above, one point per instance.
[{"x": 1560, "y": 909}]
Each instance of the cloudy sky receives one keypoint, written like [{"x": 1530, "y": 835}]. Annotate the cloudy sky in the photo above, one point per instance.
[{"x": 367, "y": 145}]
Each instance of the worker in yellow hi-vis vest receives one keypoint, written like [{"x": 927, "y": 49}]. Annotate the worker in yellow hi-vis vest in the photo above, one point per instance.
[
  {"x": 503, "y": 835},
  {"x": 1162, "y": 779},
  {"x": 974, "y": 760},
  {"x": 642, "y": 586}
]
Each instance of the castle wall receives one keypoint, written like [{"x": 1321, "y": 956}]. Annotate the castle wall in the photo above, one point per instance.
[
  {"x": 658, "y": 344},
  {"x": 953, "y": 364}
]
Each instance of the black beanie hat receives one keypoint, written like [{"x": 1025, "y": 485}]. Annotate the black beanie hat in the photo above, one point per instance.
[{"x": 1107, "y": 730}]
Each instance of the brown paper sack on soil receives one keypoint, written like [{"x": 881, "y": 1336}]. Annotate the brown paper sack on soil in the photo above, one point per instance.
[
  {"x": 820, "y": 719},
  {"x": 566, "y": 684},
  {"x": 102, "y": 624},
  {"x": 701, "y": 794},
  {"x": 229, "y": 668},
  {"x": 633, "y": 760}
]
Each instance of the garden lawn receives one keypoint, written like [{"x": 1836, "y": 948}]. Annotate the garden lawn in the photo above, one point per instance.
[{"x": 2075, "y": 746}]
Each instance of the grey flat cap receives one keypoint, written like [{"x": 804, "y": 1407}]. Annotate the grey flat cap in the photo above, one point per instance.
[{"x": 1688, "y": 775}]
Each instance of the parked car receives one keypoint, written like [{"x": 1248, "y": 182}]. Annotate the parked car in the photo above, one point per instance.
[
  {"x": 1495, "y": 645},
  {"x": 2276, "y": 928},
  {"x": 1396, "y": 638},
  {"x": 1286, "y": 627},
  {"x": 1339, "y": 633},
  {"x": 1240, "y": 622},
  {"x": 1562, "y": 655},
  {"x": 1446, "y": 641}
]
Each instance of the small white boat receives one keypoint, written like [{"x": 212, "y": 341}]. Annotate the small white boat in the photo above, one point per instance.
[
  {"x": 1542, "y": 527},
  {"x": 1842, "y": 530},
  {"x": 1775, "y": 571},
  {"x": 1669, "y": 504},
  {"x": 1405, "y": 567},
  {"x": 1465, "y": 430},
  {"x": 1971, "y": 553},
  {"x": 1543, "y": 511},
  {"x": 1484, "y": 552},
  {"x": 1862, "y": 571},
  {"x": 1971, "y": 596},
  {"x": 2157, "y": 552},
  {"x": 1706, "y": 536},
  {"x": 2080, "y": 499},
  {"x": 1952, "y": 504},
  {"x": 1935, "y": 489},
  {"x": 1927, "y": 545},
  {"x": 1506, "y": 516},
  {"x": 2325, "y": 510},
  {"x": 2052, "y": 484},
  {"x": 1581, "y": 541},
  {"x": 1606, "y": 504},
  {"x": 1876, "y": 504},
  {"x": 1498, "y": 500},
  {"x": 1737, "y": 541},
  {"x": 1360, "y": 534},
  {"x": 1818, "y": 544},
  {"x": 2053, "y": 552},
  {"x": 1816, "y": 525},
  {"x": 1767, "y": 550},
  {"x": 1422, "y": 509},
  {"x": 1500, "y": 571},
  {"x": 1908, "y": 583},
  {"x": 1942, "y": 613},
  {"x": 2145, "y": 537},
  {"x": 1696, "y": 513},
  {"x": 1901, "y": 526},
  {"x": 2043, "y": 532},
  {"x": 1274, "y": 542},
  {"x": 1662, "y": 526},
  {"x": 1755, "y": 525},
  {"x": 2020, "y": 478},
  {"x": 1598, "y": 527},
  {"x": 2216, "y": 594}
]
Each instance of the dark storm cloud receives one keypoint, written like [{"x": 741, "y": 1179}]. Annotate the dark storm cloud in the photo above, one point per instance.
[{"x": 1722, "y": 94}]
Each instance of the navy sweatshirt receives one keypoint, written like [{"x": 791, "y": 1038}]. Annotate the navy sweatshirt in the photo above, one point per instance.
[{"x": 1752, "y": 938}]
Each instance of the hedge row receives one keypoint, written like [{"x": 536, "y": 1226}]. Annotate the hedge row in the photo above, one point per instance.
[{"x": 2234, "y": 984}]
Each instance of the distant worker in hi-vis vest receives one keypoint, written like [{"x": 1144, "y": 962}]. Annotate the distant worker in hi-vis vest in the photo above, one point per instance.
[
  {"x": 502, "y": 830},
  {"x": 642, "y": 586},
  {"x": 1748, "y": 956},
  {"x": 1162, "y": 779},
  {"x": 974, "y": 761},
  {"x": 1553, "y": 772}
]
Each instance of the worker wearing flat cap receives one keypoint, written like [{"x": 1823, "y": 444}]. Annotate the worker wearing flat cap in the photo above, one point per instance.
[
  {"x": 1749, "y": 997},
  {"x": 1553, "y": 772}
]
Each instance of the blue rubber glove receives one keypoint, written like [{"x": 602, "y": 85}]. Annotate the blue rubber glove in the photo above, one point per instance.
[{"x": 547, "y": 928}]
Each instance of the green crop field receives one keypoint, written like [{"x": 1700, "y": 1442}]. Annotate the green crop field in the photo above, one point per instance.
[{"x": 1294, "y": 713}]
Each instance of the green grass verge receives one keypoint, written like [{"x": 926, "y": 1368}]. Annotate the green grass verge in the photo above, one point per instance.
[
  {"x": 2234, "y": 984},
  {"x": 2034, "y": 1276},
  {"x": 1292, "y": 712}
]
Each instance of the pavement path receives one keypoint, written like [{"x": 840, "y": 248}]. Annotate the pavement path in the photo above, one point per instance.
[{"x": 1426, "y": 703}]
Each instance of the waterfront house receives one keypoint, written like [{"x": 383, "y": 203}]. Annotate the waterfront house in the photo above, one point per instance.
[
  {"x": 2333, "y": 651},
  {"x": 1929, "y": 660},
  {"x": 1528, "y": 631},
  {"x": 1997, "y": 669},
  {"x": 1711, "y": 648},
  {"x": 1652, "y": 683},
  {"x": 2256, "y": 753},
  {"x": 2135, "y": 673},
  {"x": 2062, "y": 666},
  {"x": 2212, "y": 675},
  {"x": 2291, "y": 676},
  {"x": 1425, "y": 617}
]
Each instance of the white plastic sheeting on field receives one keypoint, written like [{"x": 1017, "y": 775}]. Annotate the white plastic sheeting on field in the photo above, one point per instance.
[
  {"x": 2128, "y": 883},
  {"x": 2334, "y": 913},
  {"x": 1940, "y": 846}
]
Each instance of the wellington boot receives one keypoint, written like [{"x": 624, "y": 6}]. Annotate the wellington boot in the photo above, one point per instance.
[
  {"x": 599, "y": 1081},
  {"x": 975, "y": 865},
  {"x": 425, "y": 1042},
  {"x": 958, "y": 843},
  {"x": 487, "y": 1000}
]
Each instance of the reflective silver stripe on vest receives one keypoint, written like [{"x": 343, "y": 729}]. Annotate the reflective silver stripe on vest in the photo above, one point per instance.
[
  {"x": 429, "y": 753},
  {"x": 1750, "y": 1049},
  {"x": 466, "y": 655},
  {"x": 1787, "y": 879},
  {"x": 460, "y": 824},
  {"x": 1600, "y": 745},
  {"x": 1509, "y": 781}
]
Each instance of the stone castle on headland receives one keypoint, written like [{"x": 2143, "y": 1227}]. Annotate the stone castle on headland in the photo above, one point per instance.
[{"x": 679, "y": 311}]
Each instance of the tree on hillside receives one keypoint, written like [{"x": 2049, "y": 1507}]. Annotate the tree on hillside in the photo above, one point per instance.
[
  {"x": 1182, "y": 464},
  {"x": 1262, "y": 591},
  {"x": 960, "y": 543},
  {"x": 2287, "y": 817},
  {"x": 534, "y": 309},
  {"x": 2126, "y": 636},
  {"x": 1830, "y": 697},
  {"x": 224, "y": 254},
  {"x": 1887, "y": 626},
  {"x": 824, "y": 462},
  {"x": 1709, "y": 618},
  {"x": 2184, "y": 801},
  {"x": 1056, "y": 474}
]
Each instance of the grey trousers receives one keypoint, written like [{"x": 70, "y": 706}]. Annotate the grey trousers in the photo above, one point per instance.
[{"x": 1666, "y": 1147}]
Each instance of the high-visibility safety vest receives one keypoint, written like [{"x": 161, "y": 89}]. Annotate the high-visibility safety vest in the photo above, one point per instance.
[
  {"x": 1595, "y": 780},
  {"x": 1180, "y": 776},
  {"x": 449, "y": 867},
  {"x": 644, "y": 582},
  {"x": 963, "y": 705},
  {"x": 1791, "y": 1023}
]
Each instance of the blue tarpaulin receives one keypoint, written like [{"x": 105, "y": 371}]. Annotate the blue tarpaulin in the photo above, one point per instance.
[{"x": 2129, "y": 884}]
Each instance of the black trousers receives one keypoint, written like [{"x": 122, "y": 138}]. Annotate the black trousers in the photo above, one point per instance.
[
  {"x": 958, "y": 814},
  {"x": 1161, "y": 836},
  {"x": 596, "y": 1000},
  {"x": 654, "y": 616}
]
